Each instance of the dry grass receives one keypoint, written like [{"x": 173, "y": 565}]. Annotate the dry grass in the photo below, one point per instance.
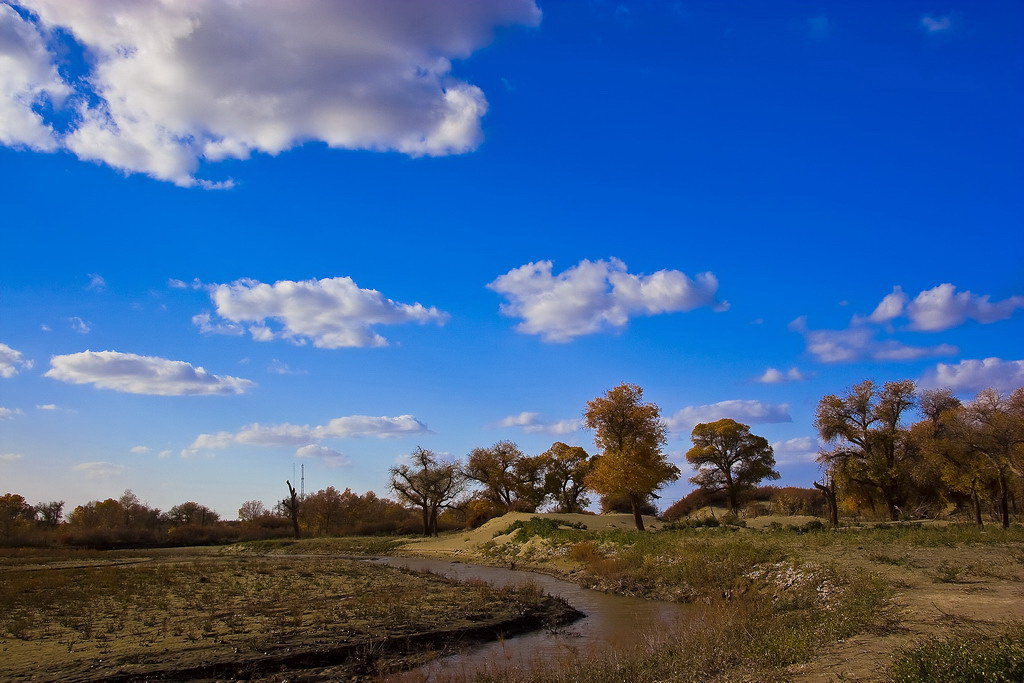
[{"x": 182, "y": 612}]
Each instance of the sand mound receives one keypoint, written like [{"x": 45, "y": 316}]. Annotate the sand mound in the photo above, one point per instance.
[{"x": 486, "y": 532}]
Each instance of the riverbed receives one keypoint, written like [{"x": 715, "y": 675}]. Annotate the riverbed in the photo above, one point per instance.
[{"x": 611, "y": 621}]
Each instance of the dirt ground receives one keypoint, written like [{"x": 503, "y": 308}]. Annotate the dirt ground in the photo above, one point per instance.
[
  {"x": 182, "y": 616},
  {"x": 938, "y": 591}
]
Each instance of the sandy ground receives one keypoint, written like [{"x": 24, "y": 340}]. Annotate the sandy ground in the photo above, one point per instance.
[
  {"x": 989, "y": 593},
  {"x": 467, "y": 541}
]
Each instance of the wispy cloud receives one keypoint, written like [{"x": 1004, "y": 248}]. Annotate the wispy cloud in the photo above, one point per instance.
[
  {"x": 281, "y": 368},
  {"x": 859, "y": 342},
  {"x": 96, "y": 282},
  {"x": 9, "y": 413},
  {"x": 11, "y": 457},
  {"x": 745, "y": 411},
  {"x": 99, "y": 469},
  {"x": 287, "y": 434},
  {"x": 12, "y": 362},
  {"x": 79, "y": 325},
  {"x": 328, "y": 456},
  {"x": 776, "y": 376},
  {"x": 531, "y": 423},
  {"x": 936, "y": 23}
]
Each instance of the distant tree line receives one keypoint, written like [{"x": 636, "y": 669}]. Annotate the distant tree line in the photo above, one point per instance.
[{"x": 958, "y": 458}]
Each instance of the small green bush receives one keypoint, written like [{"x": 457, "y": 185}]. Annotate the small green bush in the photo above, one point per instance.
[
  {"x": 692, "y": 524},
  {"x": 545, "y": 527}
]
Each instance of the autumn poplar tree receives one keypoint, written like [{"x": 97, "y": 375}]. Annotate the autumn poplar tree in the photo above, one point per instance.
[
  {"x": 870, "y": 445},
  {"x": 992, "y": 427},
  {"x": 729, "y": 458},
  {"x": 428, "y": 484},
  {"x": 511, "y": 479},
  {"x": 630, "y": 435},
  {"x": 565, "y": 470}
]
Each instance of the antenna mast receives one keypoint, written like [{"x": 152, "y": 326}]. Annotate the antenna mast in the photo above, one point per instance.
[{"x": 302, "y": 482}]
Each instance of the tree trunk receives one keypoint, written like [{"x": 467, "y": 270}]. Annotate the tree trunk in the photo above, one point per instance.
[
  {"x": 426, "y": 520},
  {"x": 976, "y": 499},
  {"x": 637, "y": 517},
  {"x": 293, "y": 508},
  {"x": 1004, "y": 508},
  {"x": 433, "y": 521},
  {"x": 829, "y": 492}
]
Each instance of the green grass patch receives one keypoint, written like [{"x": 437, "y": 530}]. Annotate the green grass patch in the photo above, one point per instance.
[
  {"x": 964, "y": 658},
  {"x": 545, "y": 527},
  {"x": 341, "y": 545}
]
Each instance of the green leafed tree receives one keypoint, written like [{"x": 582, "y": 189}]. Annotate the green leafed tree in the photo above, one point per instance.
[
  {"x": 630, "y": 435},
  {"x": 729, "y": 458}
]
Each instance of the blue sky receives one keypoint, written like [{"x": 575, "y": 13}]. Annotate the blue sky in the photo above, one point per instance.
[{"x": 188, "y": 163}]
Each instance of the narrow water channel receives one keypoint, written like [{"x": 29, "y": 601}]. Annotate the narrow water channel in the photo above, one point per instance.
[{"x": 611, "y": 620}]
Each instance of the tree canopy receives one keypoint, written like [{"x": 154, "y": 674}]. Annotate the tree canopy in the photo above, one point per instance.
[
  {"x": 630, "y": 435},
  {"x": 729, "y": 458},
  {"x": 870, "y": 444}
]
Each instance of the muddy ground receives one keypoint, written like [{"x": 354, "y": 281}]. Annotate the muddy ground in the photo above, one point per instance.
[{"x": 193, "y": 615}]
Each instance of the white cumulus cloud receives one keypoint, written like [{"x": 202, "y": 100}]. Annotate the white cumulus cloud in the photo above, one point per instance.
[
  {"x": 797, "y": 450},
  {"x": 745, "y": 411},
  {"x": 47, "y": 406},
  {"x": 356, "y": 426},
  {"x": 135, "y": 374},
  {"x": 331, "y": 312},
  {"x": 140, "y": 449},
  {"x": 28, "y": 77},
  {"x": 12, "y": 362},
  {"x": 531, "y": 423},
  {"x": 976, "y": 375},
  {"x": 9, "y": 413},
  {"x": 174, "y": 84},
  {"x": 943, "y": 307},
  {"x": 596, "y": 295}
]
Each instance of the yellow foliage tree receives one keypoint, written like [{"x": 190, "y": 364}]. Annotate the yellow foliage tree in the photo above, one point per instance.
[{"x": 630, "y": 435}]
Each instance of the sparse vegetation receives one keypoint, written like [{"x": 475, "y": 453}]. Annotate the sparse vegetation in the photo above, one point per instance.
[
  {"x": 175, "y": 612},
  {"x": 966, "y": 657}
]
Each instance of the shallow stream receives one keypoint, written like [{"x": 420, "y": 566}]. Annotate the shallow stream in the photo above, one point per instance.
[{"x": 611, "y": 620}]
